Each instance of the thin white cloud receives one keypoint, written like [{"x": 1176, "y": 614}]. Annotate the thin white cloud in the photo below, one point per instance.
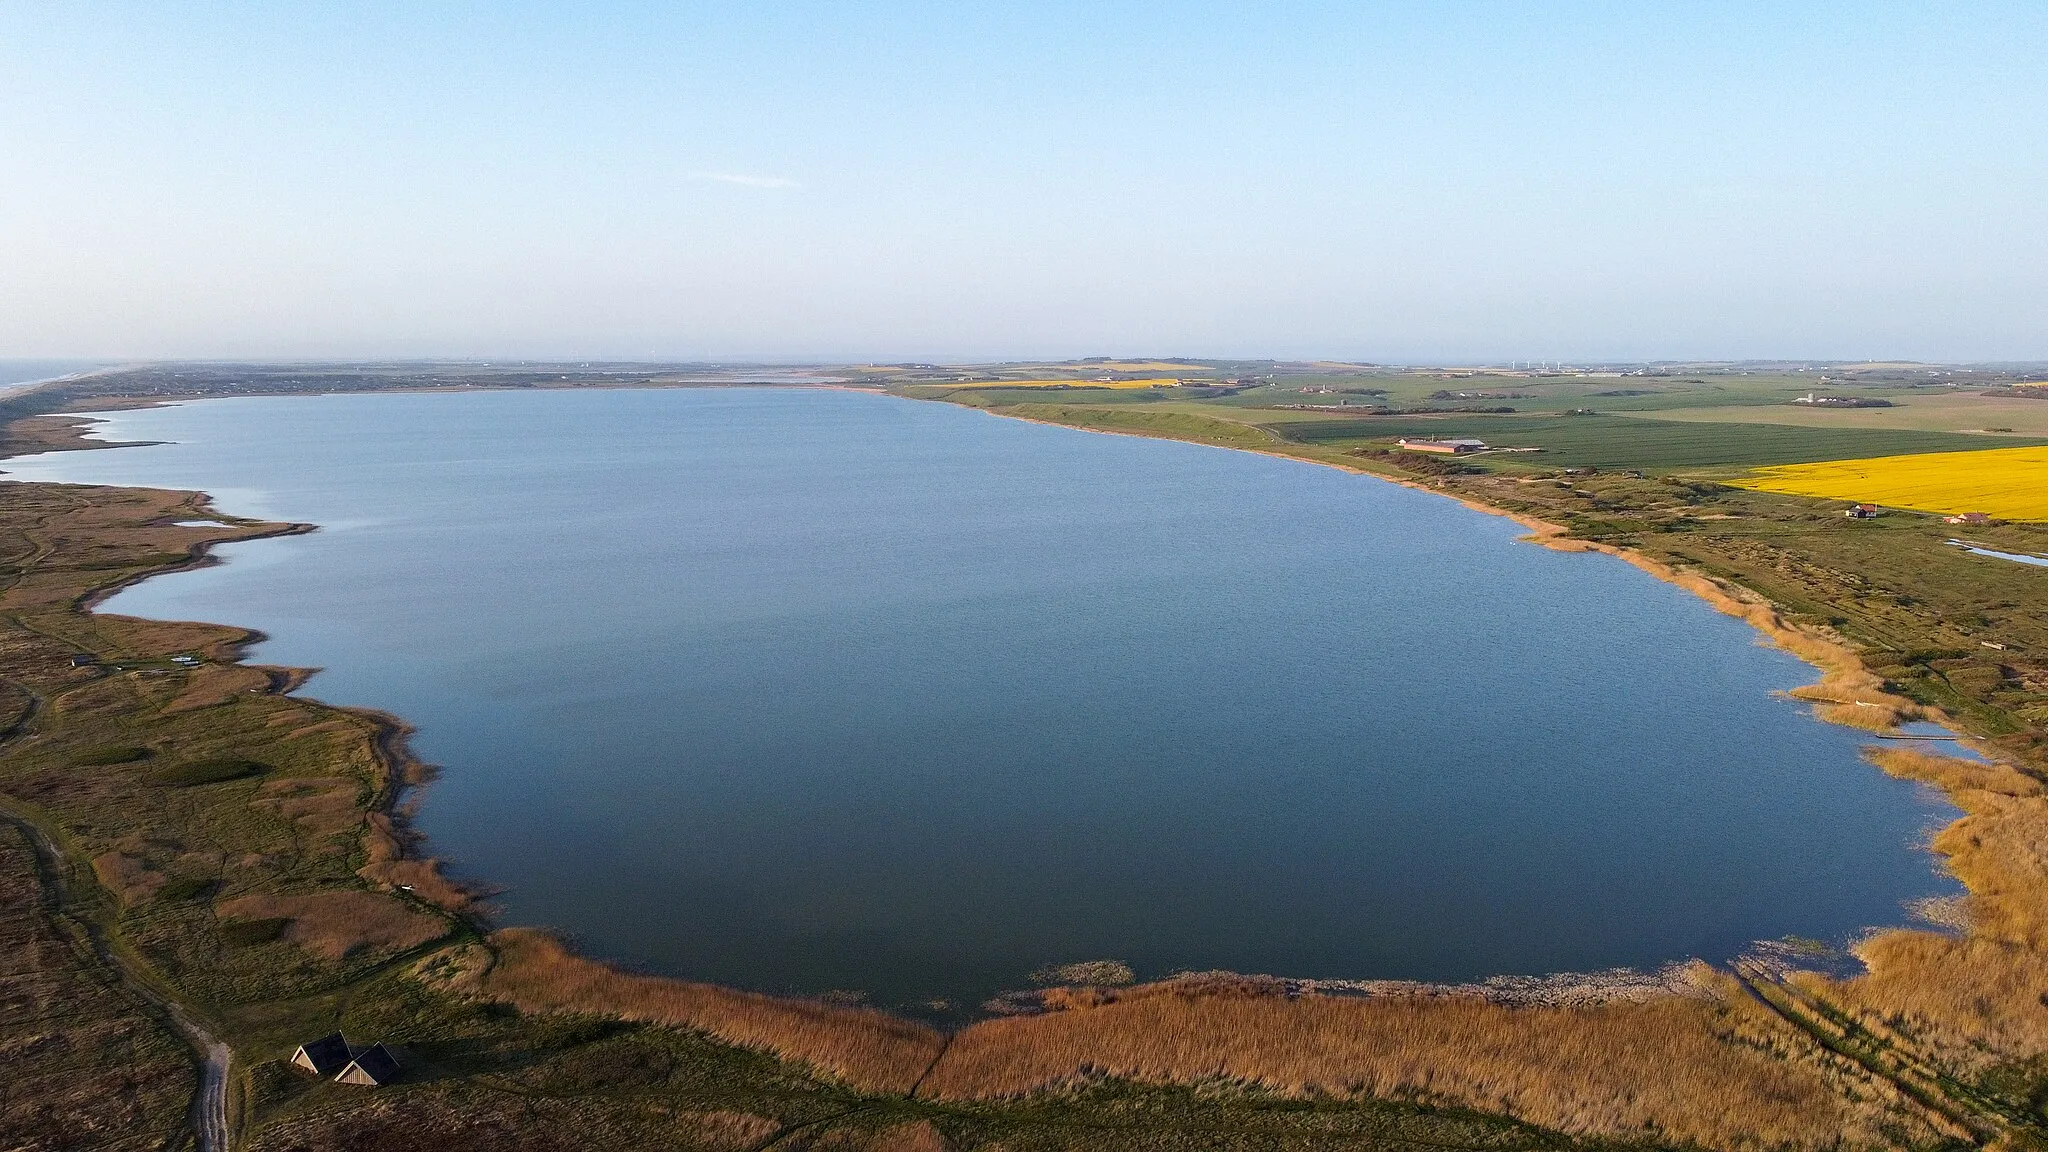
[{"x": 746, "y": 181}]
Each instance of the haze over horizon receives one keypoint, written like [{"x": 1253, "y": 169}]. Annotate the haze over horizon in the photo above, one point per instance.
[{"x": 1411, "y": 183}]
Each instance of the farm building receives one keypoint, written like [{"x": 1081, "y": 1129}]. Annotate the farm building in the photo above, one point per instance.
[
  {"x": 323, "y": 1057},
  {"x": 1862, "y": 512},
  {"x": 1818, "y": 401},
  {"x": 374, "y": 1067},
  {"x": 1446, "y": 447}
]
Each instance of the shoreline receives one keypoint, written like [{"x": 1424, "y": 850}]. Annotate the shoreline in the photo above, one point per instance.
[
  {"x": 869, "y": 1049},
  {"x": 390, "y": 833},
  {"x": 389, "y": 837},
  {"x": 1831, "y": 656},
  {"x": 398, "y": 864}
]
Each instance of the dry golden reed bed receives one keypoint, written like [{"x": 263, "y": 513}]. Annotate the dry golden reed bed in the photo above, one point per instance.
[
  {"x": 338, "y": 922},
  {"x": 871, "y": 1050},
  {"x": 1717, "y": 1068},
  {"x": 1721, "y": 1071},
  {"x": 1979, "y": 999}
]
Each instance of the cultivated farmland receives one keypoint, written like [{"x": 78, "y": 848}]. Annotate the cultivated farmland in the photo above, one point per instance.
[
  {"x": 1072, "y": 382},
  {"x": 1617, "y": 442},
  {"x": 2010, "y": 483}
]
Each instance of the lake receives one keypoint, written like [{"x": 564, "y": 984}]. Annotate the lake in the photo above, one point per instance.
[{"x": 810, "y": 691}]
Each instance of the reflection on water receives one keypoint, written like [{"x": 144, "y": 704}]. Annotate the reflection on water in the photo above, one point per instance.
[{"x": 818, "y": 691}]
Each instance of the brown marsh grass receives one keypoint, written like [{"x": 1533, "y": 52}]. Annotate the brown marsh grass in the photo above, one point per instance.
[
  {"x": 318, "y": 806},
  {"x": 1978, "y": 998},
  {"x": 215, "y": 684},
  {"x": 127, "y": 877},
  {"x": 728, "y": 1131},
  {"x": 1716, "y": 1069},
  {"x": 914, "y": 1136},
  {"x": 1719, "y": 1070},
  {"x": 390, "y": 864},
  {"x": 335, "y": 923},
  {"x": 1871, "y": 717},
  {"x": 869, "y": 1050}
]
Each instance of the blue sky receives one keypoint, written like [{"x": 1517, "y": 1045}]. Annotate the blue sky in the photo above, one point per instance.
[{"x": 1396, "y": 182}]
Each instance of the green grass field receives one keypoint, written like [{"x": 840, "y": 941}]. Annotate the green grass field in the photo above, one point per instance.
[
  {"x": 1652, "y": 445},
  {"x": 1722, "y": 421}
]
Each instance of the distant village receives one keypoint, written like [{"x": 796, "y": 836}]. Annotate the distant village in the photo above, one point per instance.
[{"x": 1816, "y": 400}]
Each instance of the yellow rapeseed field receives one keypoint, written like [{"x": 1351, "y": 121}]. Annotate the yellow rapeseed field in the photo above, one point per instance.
[{"x": 2009, "y": 483}]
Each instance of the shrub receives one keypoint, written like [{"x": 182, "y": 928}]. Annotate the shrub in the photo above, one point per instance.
[
  {"x": 209, "y": 772},
  {"x": 116, "y": 754},
  {"x": 185, "y": 888},
  {"x": 248, "y": 933}
]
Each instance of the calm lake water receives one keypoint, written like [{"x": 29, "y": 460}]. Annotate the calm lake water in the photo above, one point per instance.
[{"x": 811, "y": 690}]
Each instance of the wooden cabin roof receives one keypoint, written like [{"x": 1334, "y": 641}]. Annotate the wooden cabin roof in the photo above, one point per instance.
[
  {"x": 372, "y": 1067},
  {"x": 325, "y": 1056}
]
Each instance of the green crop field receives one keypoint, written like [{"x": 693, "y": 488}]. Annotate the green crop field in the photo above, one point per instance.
[{"x": 1617, "y": 442}]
